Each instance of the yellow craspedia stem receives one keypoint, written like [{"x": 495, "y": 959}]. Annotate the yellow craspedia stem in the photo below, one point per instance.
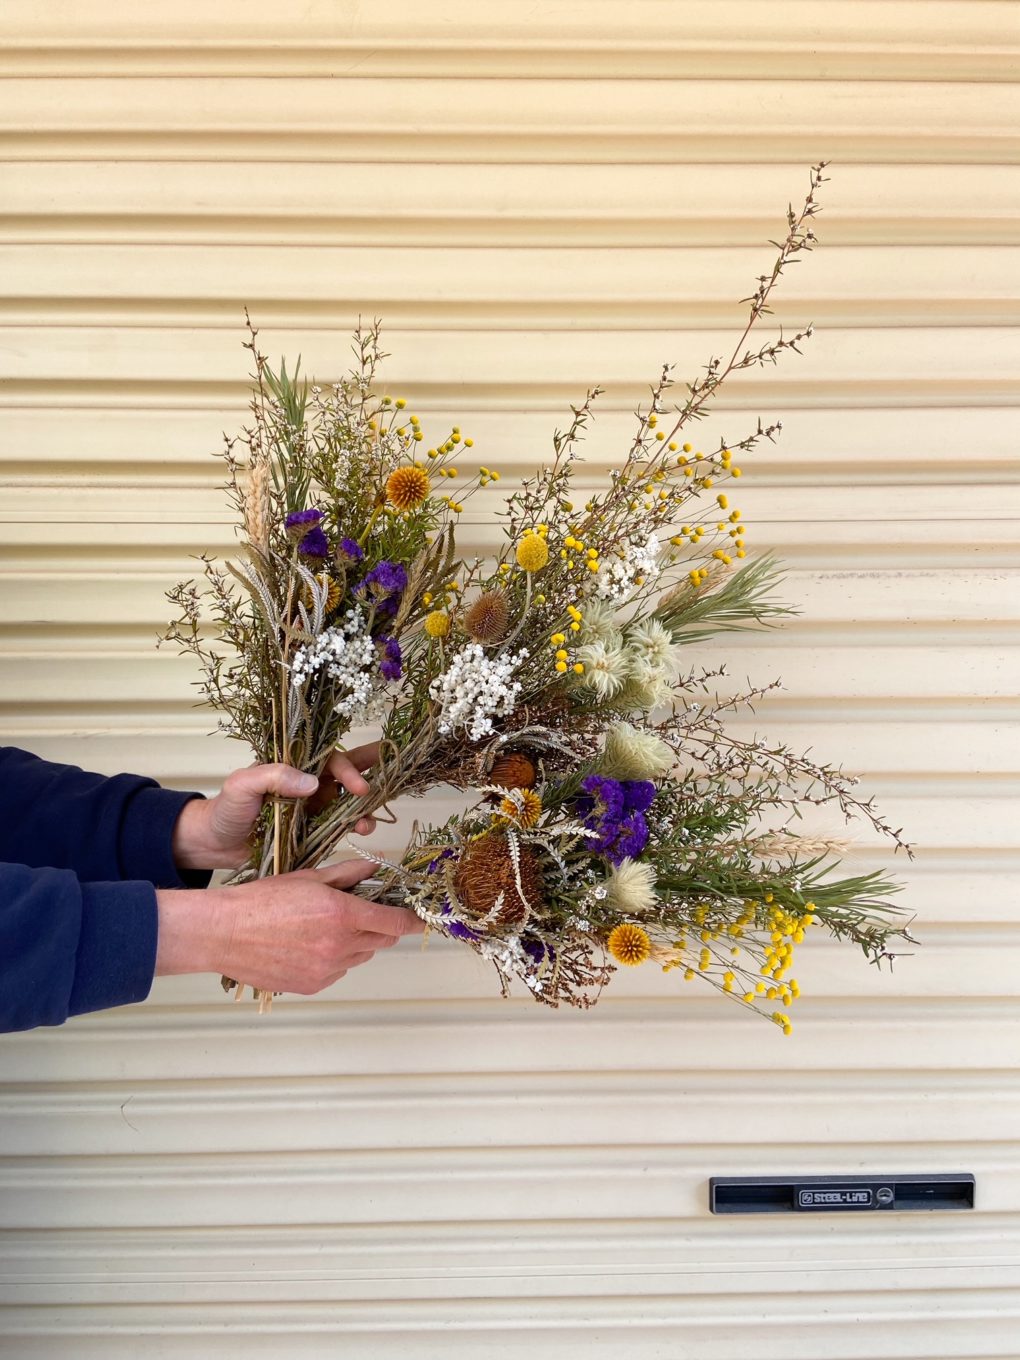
[
  {"x": 629, "y": 944},
  {"x": 532, "y": 552},
  {"x": 407, "y": 487},
  {"x": 437, "y": 624}
]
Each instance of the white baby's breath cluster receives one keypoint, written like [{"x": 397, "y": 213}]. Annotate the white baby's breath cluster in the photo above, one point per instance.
[
  {"x": 348, "y": 655},
  {"x": 617, "y": 575},
  {"x": 475, "y": 688}
]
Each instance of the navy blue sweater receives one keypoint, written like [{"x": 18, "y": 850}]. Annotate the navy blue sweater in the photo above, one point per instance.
[{"x": 80, "y": 858}]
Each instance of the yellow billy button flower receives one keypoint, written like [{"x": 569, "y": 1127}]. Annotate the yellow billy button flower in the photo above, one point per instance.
[
  {"x": 437, "y": 624},
  {"x": 532, "y": 552},
  {"x": 629, "y": 944},
  {"x": 407, "y": 487}
]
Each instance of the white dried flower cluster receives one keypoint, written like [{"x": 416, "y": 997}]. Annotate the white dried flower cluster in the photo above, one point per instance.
[
  {"x": 475, "y": 688},
  {"x": 642, "y": 660},
  {"x": 348, "y": 655},
  {"x": 606, "y": 664},
  {"x": 618, "y": 575},
  {"x": 652, "y": 646},
  {"x": 635, "y": 753}
]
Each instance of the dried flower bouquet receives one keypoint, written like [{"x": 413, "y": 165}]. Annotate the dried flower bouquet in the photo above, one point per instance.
[{"x": 613, "y": 817}]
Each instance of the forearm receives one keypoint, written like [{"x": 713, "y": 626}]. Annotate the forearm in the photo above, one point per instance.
[{"x": 70, "y": 947}]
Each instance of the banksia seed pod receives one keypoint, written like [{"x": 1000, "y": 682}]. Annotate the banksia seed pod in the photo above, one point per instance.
[
  {"x": 486, "y": 871},
  {"x": 487, "y": 618},
  {"x": 514, "y": 770}
]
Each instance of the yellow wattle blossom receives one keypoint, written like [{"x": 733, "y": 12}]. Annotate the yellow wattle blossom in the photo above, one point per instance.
[
  {"x": 437, "y": 624},
  {"x": 532, "y": 552},
  {"x": 629, "y": 944},
  {"x": 407, "y": 487}
]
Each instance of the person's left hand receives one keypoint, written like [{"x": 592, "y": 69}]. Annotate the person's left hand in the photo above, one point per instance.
[{"x": 214, "y": 833}]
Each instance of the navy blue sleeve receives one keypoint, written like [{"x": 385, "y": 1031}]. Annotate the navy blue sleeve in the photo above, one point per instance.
[
  {"x": 80, "y": 858},
  {"x": 103, "y": 829},
  {"x": 67, "y": 947}
]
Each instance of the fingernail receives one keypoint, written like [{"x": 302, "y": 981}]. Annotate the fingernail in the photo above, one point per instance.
[{"x": 306, "y": 783}]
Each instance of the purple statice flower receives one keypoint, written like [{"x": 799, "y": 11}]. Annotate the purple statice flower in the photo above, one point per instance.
[
  {"x": 314, "y": 544},
  {"x": 391, "y": 659},
  {"x": 298, "y": 522},
  {"x": 638, "y": 795},
  {"x": 602, "y": 799},
  {"x": 631, "y": 838},
  {"x": 458, "y": 929},
  {"x": 537, "y": 949},
  {"x": 615, "y": 812},
  {"x": 384, "y": 585},
  {"x": 434, "y": 865},
  {"x": 384, "y": 580},
  {"x": 349, "y": 550}
]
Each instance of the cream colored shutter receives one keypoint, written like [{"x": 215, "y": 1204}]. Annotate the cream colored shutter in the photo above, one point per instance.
[{"x": 534, "y": 199}]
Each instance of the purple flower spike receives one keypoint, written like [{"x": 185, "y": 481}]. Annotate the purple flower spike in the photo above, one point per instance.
[
  {"x": 350, "y": 550},
  {"x": 314, "y": 544},
  {"x": 391, "y": 659}
]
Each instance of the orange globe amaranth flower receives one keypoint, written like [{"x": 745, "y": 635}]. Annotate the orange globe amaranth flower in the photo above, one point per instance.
[
  {"x": 629, "y": 944},
  {"x": 407, "y": 487},
  {"x": 486, "y": 876},
  {"x": 524, "y": 810},
  {"x": 514, "y": 770}
]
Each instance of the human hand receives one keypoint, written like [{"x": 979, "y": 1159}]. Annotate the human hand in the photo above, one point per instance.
[
  {"x": 293, "y": 933},
  {"x": 214, "y": 833}
]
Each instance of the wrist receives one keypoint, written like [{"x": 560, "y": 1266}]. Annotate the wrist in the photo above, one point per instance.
[
  {"x": 193, "y": 931},
  {"x": 188, "y": 840}
]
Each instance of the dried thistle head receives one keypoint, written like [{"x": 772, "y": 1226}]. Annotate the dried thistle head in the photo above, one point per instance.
[
  {"x": 492, "y": 868},
  {"x": 487, "y": 618}
]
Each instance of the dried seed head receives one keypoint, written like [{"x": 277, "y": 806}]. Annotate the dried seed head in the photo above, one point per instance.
[
  {"x": 514, "y": 770},
  {"x": 487, "y": 618},
  {"x": 256, "y": 506},
  {"x": 486, "y": 872}
]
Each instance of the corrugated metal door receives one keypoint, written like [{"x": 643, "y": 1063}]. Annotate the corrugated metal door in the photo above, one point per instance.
[{"x": 534, "y": 200}]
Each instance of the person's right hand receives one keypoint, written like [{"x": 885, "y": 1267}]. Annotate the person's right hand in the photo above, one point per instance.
[{"x": 294, "y": 933}]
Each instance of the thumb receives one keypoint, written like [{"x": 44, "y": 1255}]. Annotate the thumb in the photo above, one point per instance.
[
  {"x": 346, "y": 873},
  {"x": 257, "y": 780}
]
